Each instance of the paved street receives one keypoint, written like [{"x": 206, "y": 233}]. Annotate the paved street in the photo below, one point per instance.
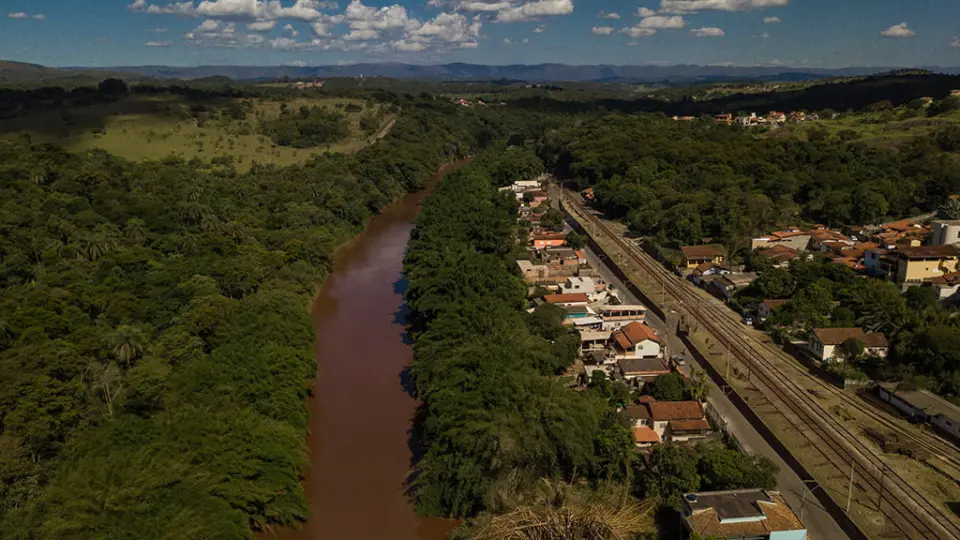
[{"x": 819, "y": 524}]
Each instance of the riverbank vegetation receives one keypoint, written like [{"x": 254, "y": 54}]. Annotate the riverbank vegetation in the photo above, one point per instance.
[{"x": 155, "y": 343}]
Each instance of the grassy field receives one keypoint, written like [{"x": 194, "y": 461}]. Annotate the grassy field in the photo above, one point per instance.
[
  {"x": 140, "y": 127},
  {"x": 891, "y": 128}
]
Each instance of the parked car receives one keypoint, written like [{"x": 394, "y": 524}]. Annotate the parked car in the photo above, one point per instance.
[{"x": 748, "y": 320}]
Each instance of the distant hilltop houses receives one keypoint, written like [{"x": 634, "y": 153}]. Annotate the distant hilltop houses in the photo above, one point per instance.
[
  {"x": 302, "y": 85},
  {"x": 773, "y": 118}
]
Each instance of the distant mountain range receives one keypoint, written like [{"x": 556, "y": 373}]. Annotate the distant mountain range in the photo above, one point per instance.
[
  {"x": 679, "y": 74},
  {"x": 533, "y": 73}
]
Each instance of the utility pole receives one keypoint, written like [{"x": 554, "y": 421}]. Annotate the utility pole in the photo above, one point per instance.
[{"x": 853, "y": 464}]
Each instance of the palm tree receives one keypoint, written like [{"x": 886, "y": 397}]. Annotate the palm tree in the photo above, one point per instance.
[
  {"x": 127, "y": 343},
  {"x": 135, "y": 230}
]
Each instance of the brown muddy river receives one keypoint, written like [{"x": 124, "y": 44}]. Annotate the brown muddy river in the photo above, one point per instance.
[{"x": 361, "y": 415}]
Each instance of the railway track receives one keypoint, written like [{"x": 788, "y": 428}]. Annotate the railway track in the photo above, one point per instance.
[{"x": 895, "y": 498}]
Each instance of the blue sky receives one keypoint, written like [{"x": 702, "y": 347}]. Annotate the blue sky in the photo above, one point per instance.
[{"x": 799, "y": 33}]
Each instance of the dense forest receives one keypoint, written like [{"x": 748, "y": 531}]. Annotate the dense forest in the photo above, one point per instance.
[
  {"x": 155, "y": 344},
  {"x": 682, "y": 182},
  {"x": 500, "y": 430}
]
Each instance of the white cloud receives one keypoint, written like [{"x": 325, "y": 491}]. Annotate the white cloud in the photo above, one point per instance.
[
  {"x": 637, "y": 31},
  {"x": 158, "y": 44},
  {"x": 539, "y": 29},
  {"x": 18, "y": 15},
  {"x": 507, "y": 41},
  {"x": 645, "y": 12},
  {"x": 362, "y": 35},
  {"x": 157, "y": 30},
  {"x": 660, "y": 22},
  {"x": 241, "y": 10},
  {"x": 709, "y": 31},
  {"x": 525, "y": 41},
  {"x": 408, "y": 46},
  {"x": 614, "y": 16},
  {"x": 693, "y": 6},
  {"x": 448, "y": 28},
  {"x": 290, "y": 30},
  {"x": 40, "y": 17},
  {"x": 262, "y": 26},
  {"x": 534, "y": 10},
  {"x": 955, "y": 42},
  {"x": 602, "y": 30},
  {"x": 632, "y": 43},
  {"x": 772, "y": 20},
  {"x": 138, "y": 5},
  {"x": 395, "y": 17},
  {"x": 762, "y": 35},
  {"x": 898, "y": 31}
]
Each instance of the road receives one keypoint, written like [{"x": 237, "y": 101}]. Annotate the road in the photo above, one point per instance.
[{"x": 820, "y": 525}]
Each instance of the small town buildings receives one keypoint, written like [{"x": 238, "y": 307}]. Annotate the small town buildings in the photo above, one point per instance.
[
  {"x": 686, "y": 417},
  {"x": 743, "y": 514},
  {"x": 945, "y": 232},
  {"x": 641, "y": 369},
  {"x": 824, "y": 342},
  {"x": 567, "y": 300},
  {"x": 726, "y": 286},
  {"x": 724, "y": 118},
  {"x": 637, "y": 415},
  {"x": 923, "y": 406},
  {"x": 915, "y": 264},
  {"x": 615, "y": 317},
  {"x": 536, "y": 197},
  {"x": 521, "y": 186},
  {"x": 694, "y": 256},
  {"x": 793, "y": 238},
  {"x": 593, "y": 288},
  {"x": 766, "y": 308},
  {"x": 947, "y": 285},
  {"x": 636, "y": 340},
  {"x": 549, "y": 239}
]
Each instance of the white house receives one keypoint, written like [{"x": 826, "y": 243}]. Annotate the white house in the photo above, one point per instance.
[
  {"x": 636, "y": 340},
  {"x": 824, "y": 342}
]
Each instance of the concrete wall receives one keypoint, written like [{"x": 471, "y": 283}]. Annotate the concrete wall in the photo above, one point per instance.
[
  {"x": 789, "y": 535},
  {"x": 945, "y": 232}
]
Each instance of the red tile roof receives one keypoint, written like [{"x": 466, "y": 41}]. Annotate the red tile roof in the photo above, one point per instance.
[
  {"x": 774, "y": 304},
  {"x": 639, "y": 332},
  {"x": 689, "y": 425},
  {"x": 701, "y": 252},
  {"x": 566, "y": 298},
  {"x": 675, "y": 410},
  {"x": 645, "y": 435}
]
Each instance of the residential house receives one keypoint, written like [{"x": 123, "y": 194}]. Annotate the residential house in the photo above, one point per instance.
[
  {"x": 594, "y": 340},
  {"x": 726, "y": 286},
  {"x": 945, "y": 232},
  {"x": 644, "y": 437},
  {"x": 824, "y": 341},
  {"x": 521, "y": 186},
  {"x": 595, "y": 290},
  {"x": 678, "y": 421},
  {"x": 742, "y": 514},
  {"x": 537, "y": 198},
  {"x": 793, "y": 238},
  {"x": 641, "y": 369},
  {"x": 615, "y": 317},
  {"x": 549, "y": 239},
  {"x": 880, "y": 263},
  {"x": 694, "y": 256},
  {"x": 567, "y": 300},
  {"x": 923, "y": 406},
  {"x": 776, "y": 117},
  {"x": 768, "y": 307},
  {"x": 916, "y": 264},
  {"x": 707, "y": 269},
  {"x": 820, "y": 236},
  {"x": 636, "y": 340},
  {"x": 947, "y": 285},
  {"x": 781, "y": 254},
  {"x": 724, "y": 118}
]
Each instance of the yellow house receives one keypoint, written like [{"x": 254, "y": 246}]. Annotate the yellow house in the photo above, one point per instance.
[
  {"x": 925, "y": 262},
  {"x": 694, "y": 256}
]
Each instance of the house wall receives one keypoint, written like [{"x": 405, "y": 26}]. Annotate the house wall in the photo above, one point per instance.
[
  {"x": 789, "y": 535},
  {"x": 945, "y": 233},
  {"x": 613, "y": 324},
  {"x": 647, "y": 349},
  {"x": 917, "y": 270},
  {"x": 819, "y": 349},
  {"x": 685, "y": 438},
  {"x": 878, "y": 351}
]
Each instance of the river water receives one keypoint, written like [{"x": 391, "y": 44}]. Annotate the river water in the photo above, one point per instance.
[{"x": 361, "y": 416}]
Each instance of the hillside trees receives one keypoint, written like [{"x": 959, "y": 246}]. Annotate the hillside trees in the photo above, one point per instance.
[{"x": 494, "y": 419}]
